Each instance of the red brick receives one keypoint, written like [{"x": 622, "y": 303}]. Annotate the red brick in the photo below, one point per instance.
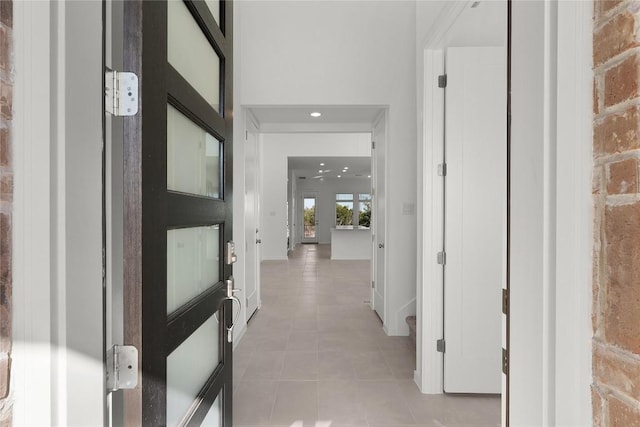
[
  {"x": 623, "y": 177},
  {"x": 596, "y": 97},
  {"x": 622, "y": 268},
  {"x": 617, "y": 371},
  {"x": 615, "y": 37},
  {"x": 6, "y": 12},
  {"x": 5, "y": 147},
  {"x": 6, "y": 100},
  {"x": 618, "y": 133},
  {"x": 621, "y": 81},
  {"x": 5, "y": 52},
  {"x": 6, "y": 188},
  {"x": 622, "y": 415},
  {"x": 604, "y": 6},
  {"x": 5, "y": 376},
  {"x": 597, "y": 403}
]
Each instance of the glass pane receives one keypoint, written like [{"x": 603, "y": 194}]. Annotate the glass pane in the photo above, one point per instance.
[
  {"x": 214, "y": 7},
  {"x": 344, "y": 213},
  {"x": 214, "y": 416},
  {"x": 309, "y": 217},
  {"x": 189, "y": 367},
  {"x": 193, "y": 256},
  {"x": 191, "y": 54},
  {"x": 193, "y": 157},
  {"x": 344, "y": 196}
]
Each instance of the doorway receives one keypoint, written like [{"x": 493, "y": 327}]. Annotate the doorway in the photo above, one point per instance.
[
  {"x": 448, "y": 233},
  {"x": 309, "y": 218}
]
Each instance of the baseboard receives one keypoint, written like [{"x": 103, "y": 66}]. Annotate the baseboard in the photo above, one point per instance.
[{"x": 238, "y": 334}]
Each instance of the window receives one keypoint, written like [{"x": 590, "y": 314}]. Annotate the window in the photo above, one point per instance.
[
  {"x": 353, "y": 209},
  {"x": 344, "y": 209},
  {"x": 364, "y": 210}
]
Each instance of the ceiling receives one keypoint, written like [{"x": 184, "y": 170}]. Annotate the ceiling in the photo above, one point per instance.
[
  {"x": 330, "y": 115},
  {"x": 309, "y": 167}
]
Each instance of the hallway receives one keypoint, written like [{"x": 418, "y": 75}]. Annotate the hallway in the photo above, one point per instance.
[{"x": 316, "y": 355}]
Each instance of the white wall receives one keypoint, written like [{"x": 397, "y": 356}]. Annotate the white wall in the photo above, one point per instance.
[
  {"x": 275, "y": 149},
  {"x": 326, "y": 202},
  {"x": 344, "y": 53}
]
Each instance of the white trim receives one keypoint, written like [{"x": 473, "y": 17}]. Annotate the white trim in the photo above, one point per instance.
[
  {"x": 574, "y": 214},
  {"x": 435, "y": 38},
  {"x": 31, "y": 370},
  {"x": 429, "y": 326}
]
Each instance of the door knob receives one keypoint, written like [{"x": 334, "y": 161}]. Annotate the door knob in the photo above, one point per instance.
[
  {"x": 381, "y": 245},
  {"x": 258, "y": 241}
]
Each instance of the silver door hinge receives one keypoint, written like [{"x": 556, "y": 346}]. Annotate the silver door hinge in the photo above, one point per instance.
[
  {"x": 442, "y": 81},
  {"x": 121, "y": 93},
  {"x": 440, "y": 346},
  {"x": 122, "y": 367},
  {"x": 442, "y": 258},
  {"x": 373, "y": 284},
  {"x": 505, "y": 362},
  {"x": 505, "y": 301},
  {"x": 373, "y": 145},
  {"x": 442, "y": 169}
]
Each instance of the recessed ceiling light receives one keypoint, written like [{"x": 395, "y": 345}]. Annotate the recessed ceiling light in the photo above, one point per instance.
[
  {"x": 346, "y": 167},
  {"x": 315, "y": 114},
  {"x": 320, "y": 171},
  {"x": 321, "y": 164},
  {"x": 339, "y": 176},
  {"x": 368, "y": 176}
]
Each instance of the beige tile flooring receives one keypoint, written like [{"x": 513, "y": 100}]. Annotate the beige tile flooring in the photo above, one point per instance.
[{"x": 315, "y": 354}]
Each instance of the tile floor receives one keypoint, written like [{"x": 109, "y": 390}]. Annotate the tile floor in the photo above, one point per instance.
[{"x": 315, "y": 354}]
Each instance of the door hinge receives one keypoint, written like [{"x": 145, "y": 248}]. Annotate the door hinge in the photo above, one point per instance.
[
  {"x": 373, "y": 284},
  {"x": 122, "y": 367},
  {"x": 121, "y": 93},
  {"x": 505, "y": 362},
  {"x": 442, "y": 81},
  {"x": 246, "y": 135},
  {"x": 442, "y": 258},
  {"x": 440, "y": 346},
  {"x": 505, "y": 302},
  {"x": 442, "y": 169},
  {"x": 373, "y": 145}
]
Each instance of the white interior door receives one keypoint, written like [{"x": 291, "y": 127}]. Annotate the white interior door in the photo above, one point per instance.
[
  {"x": 378, "y": 217},
  {"x": 475, "y": 204},
  {"x": 251, "y": 215}
]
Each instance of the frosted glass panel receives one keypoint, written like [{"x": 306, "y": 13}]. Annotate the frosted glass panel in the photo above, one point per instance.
[
  {"x": 214, "y": 416},
  {"x": 191, "y": 54},
  {"x": 189, "y": 367},
  {"x": 193, "y": 157},
  {"x": 214, "y": 7},
  {"x": 192, "y": 263}
]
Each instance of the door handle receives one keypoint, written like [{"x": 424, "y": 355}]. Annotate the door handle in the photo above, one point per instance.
[
  {"x": 231, "y": 297},
  {"x": 258, "y": 241},
  {"x": 381, "y": 245}
]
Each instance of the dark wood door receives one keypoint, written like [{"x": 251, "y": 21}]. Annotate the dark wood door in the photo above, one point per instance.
[{"x": 177, "y": 211}]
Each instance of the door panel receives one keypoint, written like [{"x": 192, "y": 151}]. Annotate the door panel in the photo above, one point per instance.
[
  {"x": 379, "y": 224},
  {"x": 177, "y": 212},
  {"x": 475, "y": 227},
  {"x": 251, "y": 215}
]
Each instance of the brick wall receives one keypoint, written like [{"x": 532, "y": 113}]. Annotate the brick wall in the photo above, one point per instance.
[
  {"x": 616, "y": 192},
  {"x": 6, "y": 205}
]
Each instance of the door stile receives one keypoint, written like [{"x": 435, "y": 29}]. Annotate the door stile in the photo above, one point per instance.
[{"x": 145, "y": 201}]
